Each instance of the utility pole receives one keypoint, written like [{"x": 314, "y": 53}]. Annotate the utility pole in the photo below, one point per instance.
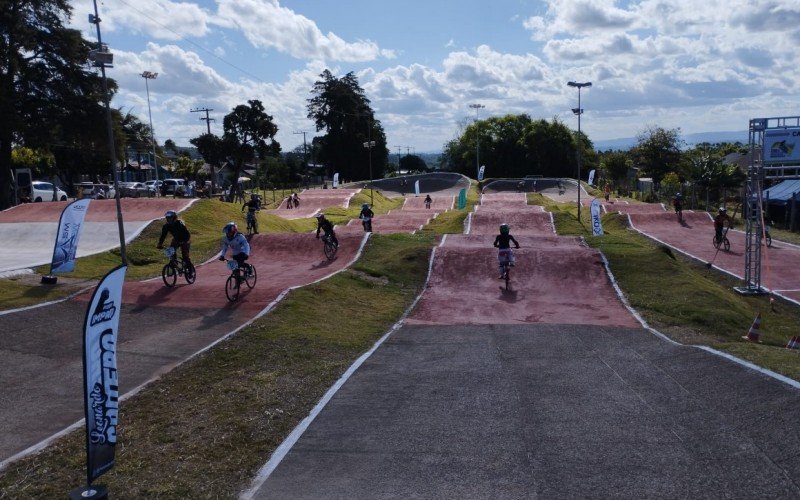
[
  {"x": 104, "y": 59},
  {"x": 206, "y": 119}
]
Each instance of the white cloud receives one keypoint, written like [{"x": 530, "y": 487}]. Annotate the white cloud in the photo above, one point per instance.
[
  {"x": 267, "y": 25},
  {"x": 159, "y": 19}
]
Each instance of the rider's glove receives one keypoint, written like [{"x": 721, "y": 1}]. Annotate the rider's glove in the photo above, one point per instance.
[{"x": 221, "y": 257}]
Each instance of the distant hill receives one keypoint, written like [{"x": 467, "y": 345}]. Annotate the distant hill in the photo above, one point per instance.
[{"x": 626, "y": 143}]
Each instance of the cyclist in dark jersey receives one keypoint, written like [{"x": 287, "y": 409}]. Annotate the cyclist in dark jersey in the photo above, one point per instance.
[
  {"x": 253, "y": 206},
  {"x": 503, "y": 242},
  {"x": 326, "y": 226},
  {"x": 180, "y": 235},
  {"x": 719, "y": 223}
]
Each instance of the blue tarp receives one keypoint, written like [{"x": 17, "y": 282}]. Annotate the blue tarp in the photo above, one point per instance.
[{"x": 779, "y": 194}]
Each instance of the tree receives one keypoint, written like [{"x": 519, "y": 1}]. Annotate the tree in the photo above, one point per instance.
[
  {"x": 413, "y": 163},
  {"x": 49, "y": 98},
  {"x": 551, "y": 148},
  {"x": 615, "y": 166},
  {"x": 340, "y": 107},
  {"x": 658, "y": 152},
  {"x": 212, "y": 150},
  {"x": 248, "y": 130}
]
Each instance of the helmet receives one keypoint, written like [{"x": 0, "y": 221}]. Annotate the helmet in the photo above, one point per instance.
[
  {"x": 504, "y": 229},
  {"x": 170, "y": 215},
  {"x": 364, "y": 206},
  {"x": 253, "y": 196},
  {"x": 320, "y": 215},
  {"x": 230, "y": 230},
  {"x": 678, "y": 195},
  {"x": 722, "y": 210}
]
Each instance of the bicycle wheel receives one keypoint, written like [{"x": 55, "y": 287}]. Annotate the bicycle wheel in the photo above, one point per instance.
[
  {"x": 507, "y": 275},
  {"x": 715, "y": 243},
  {"x": 769, "y": 240},
  {"x": 232, "y": 288},
  {"x": 726, "y": 244},
  {"x": 169, "y": 274},
  {"x": 330, "y": 250},
  {"x": 189, "y": 272},
  {"x": 250, "y": 278}
]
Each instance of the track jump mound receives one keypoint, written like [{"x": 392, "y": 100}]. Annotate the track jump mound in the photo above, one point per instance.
[
  {"x": 428, "y": 183},
  {"x": 313, "y": 201},
  {"x": 565, "y": 284},
  {"x": 636, "y": 208},
  {"x": 439, "y": 204},
  {"x": 504, "y": 199},
  {"x": 28, "y": 232},
  {"x": 281, "y": 261},
  {"x": 396, "y": 221},
  {"x": 133, "y": 209},
  {"x": 521, "y": 222}
]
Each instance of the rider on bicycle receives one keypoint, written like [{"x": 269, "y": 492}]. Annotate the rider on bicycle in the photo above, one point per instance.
[
  {"x": 326, "y": 226},
  {"x": 240, "y": 248},
  {"x": 366, "y": 216},
  {"x": 253, "y": 206},
  {"x": 719, "y": 223},
  {"x": 428, "y": 201},
  {"x": 503, "y": 242},
  {"x": 180, "y": 235},
  {"x": 677, "y": 202}
]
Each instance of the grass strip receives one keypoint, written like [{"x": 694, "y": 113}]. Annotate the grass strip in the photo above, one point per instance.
[
  {"x": 205, "y": 428},
  {"x": 452, "y": 221}
]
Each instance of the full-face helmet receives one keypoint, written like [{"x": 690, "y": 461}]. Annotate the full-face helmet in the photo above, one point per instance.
[
  {"x": 504, "y": 229},
  {"x": 230, "y": 230},
  {"x": 170, "y": 216}
]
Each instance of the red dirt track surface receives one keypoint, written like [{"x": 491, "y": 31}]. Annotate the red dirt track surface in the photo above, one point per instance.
[
  {"x": 313, "y": 201},
  {"x": 28, "y": 232},
  {"x": 133, "y": 209},
  {"x": 281, "y": 261},
  {"x": 780, "y": 264},
  {"x": 439, "y": 204},
  {"x": 555, "y": 280}
]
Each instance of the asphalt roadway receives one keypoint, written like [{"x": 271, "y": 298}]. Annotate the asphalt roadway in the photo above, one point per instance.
[{"x": 546, "y": 411}]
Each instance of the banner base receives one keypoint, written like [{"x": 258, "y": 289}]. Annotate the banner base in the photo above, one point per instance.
[
  {"x": 49, "y": 280},
  {"x": 97, "y": 492}
]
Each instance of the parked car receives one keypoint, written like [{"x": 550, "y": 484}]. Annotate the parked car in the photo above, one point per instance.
[
  {"x": 173, "y": 186},
  {"x": 96, "y": 191},
  {"x": 154, "y": 185},
  {"x": 43, "y": 191},
  {"x": 135, "y": 189}
]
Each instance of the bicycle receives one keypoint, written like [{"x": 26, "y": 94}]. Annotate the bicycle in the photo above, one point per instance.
[
  {"x": 329, "y": 247},
  {"x": 367, "y": 223},
  {"x": 726, "y": 245},
  {"x": 768, "y": 236},
  {"x": 252, "y": 222},
  {"x": 679, "y": 212},
  {"x": 505, "y": 266},
  {"x": 175, "y": 268},
  {"x": 238, "y": 275}
]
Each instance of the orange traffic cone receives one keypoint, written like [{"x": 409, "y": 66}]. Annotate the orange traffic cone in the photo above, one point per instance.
[
  {"x": 753, "y": 334},
  {"x": 794, "y": 342}
]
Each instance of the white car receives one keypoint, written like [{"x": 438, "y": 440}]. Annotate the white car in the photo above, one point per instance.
[
  {"x": 43, "y": 191},
  {"x": 154, "y": 185}
]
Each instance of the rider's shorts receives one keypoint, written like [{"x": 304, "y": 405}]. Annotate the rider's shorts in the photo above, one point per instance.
[{"x": 505, "y": 255}]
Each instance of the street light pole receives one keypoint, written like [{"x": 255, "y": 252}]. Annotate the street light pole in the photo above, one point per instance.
[
  {"x": 579, "y": 111},
  {"x": 477, "y": 108},
  {"x": 149, "y": 75},
  {"x": 305, "y": 155}
]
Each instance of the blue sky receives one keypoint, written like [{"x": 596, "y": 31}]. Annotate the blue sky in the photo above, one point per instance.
[{"x": 708, "y": 66}]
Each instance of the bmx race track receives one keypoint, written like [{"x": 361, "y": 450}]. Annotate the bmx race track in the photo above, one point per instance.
[{"x": 552, "y": 389}]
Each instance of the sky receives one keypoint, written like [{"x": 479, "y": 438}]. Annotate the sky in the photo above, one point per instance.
[{"x": 701, "y": 66}]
